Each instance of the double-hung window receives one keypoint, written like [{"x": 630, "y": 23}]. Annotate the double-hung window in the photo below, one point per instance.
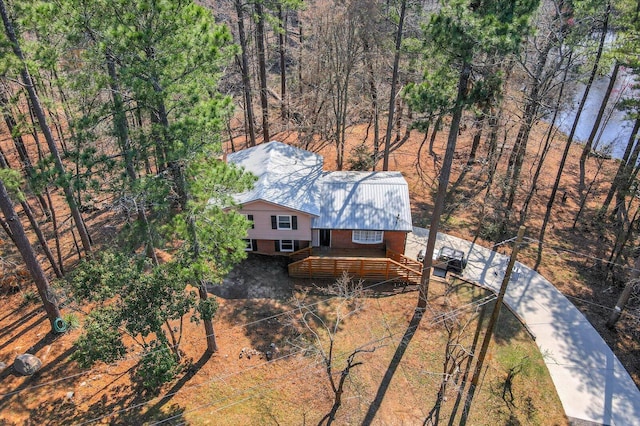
[
  {"x": 286, "y": 245},
  {"x": 248, "y": 244},
  {"x": 284, "y": 222},
  {"x": 367, "y": 237}
]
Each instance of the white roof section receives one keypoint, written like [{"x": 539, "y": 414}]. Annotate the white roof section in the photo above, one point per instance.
[
  {"x": 293, "y": 178},
  {"x": 364, "y": 200},
  {"x": 287, "y": 176}
]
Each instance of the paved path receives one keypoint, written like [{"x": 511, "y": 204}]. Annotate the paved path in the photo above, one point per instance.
[{"x": 592, "y": 384}]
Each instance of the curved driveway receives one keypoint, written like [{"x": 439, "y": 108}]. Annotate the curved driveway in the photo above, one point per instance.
[{"x": 592, "y": 384}]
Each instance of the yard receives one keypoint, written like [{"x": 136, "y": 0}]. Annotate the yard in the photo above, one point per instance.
[{"x": 393, "y": 385}]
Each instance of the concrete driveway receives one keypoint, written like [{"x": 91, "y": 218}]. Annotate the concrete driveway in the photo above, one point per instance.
[{"x": 592, "y": 384}]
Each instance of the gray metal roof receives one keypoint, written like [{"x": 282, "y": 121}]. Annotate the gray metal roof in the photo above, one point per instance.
[
  {"x": 364, "y": 200},
  {"x": 293, "y": 178},
  {"x": 286, "y": 176}
]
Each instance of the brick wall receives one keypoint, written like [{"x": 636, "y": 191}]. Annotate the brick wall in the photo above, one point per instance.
[
  {"x": 269, "y": 247},
  {"x": 395, "y": 241},
  {"x": 392, "y": 240}
]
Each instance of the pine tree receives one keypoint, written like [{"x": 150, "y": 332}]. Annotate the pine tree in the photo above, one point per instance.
[{"x": 469, "y": 31}]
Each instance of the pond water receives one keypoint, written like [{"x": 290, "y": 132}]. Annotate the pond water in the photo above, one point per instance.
[{"x": 615, "y": 128}]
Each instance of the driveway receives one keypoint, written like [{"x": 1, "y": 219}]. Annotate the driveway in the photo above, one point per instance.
[{"x": 592, "y": 384}]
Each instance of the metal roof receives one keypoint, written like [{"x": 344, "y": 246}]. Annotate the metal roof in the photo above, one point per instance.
[
  {"x": 364, "y": 200},
  {"x": 286, "y": 175},
  {"x": 293, "y": 178}
]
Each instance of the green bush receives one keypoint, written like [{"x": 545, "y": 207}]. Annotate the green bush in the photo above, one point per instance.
[
  {"x": 29, "y": 297},
  {"x": 101, "y": 340},
  {"x": 71, "y": 320},
  {"x": 361, "y": 158},
  {"x": 157, "y": 366}
]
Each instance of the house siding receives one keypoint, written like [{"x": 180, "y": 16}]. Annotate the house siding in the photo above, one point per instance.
[
  {"x": 392, "y": 240},
  {"x": 262, "y": 230}
]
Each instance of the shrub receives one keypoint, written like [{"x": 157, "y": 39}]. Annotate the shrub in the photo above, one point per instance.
[
  {"x": 71, "y": 320},
  {"x": 361, "y": 158},
  {"x": 157, "y": 366},
  {"x": 101, "y": 340},
  {"x": 29, "y": 297}
]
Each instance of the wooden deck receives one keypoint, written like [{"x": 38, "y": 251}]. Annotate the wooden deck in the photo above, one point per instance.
[{"x": 366, "y": 264}]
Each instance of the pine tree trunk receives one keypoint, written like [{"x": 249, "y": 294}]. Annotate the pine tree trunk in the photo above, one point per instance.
[
  {"x": 283, "y": 64},
  {"x": 39, "y": 112},
  {"x": 21, "y": 149},
  {"x": 583, "y": 101},
  {"x": 547, "y": 145},
  {"x": 443, "y": 182},
  {"x": 622, "y": 171},
  {"x": 625, "y": 295},
  {"x": 120, "y": 120},
  {"x": 212, "y": 345},
  {"x": 373, "y": 93},
  {"x": 478, "y": 124},
  {"x": 394, "y": 83},
  {"x": 56, "y": 233},
  {"x": 41, "y": 239},
  {"x": 244, "y": 69},
  {"x": 262, "y": 70},
  {"x": 530, "y": 115},
  {"x": 4, "y": 225},
  {"x": 25, "y": 249},
  {"x": 300, "y": 51},
  {"x": 121, "y": 129},
  {"x": 436, "y": 128}
]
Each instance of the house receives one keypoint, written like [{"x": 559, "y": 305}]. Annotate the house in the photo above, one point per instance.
[{"x": 295, "y": 204}]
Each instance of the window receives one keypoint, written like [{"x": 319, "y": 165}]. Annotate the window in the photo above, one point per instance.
[
  {"x": 249, "y": 244},
  {"x": 367, "y": 237},
  {"x": 286, "y": 245},
  {"x": 284, "y": 222},
  {"x": 250, "y": 219}
]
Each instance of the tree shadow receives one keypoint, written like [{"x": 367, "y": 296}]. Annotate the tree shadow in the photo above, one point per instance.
[
  {"x": 23, "y": 331},
  {"x": 263, "y": 322},
  {"x": 33, "y": 380},
  {"x": 118, "y": 404},
  {"x": 9, "y": 328},
  {"x": 190, "y": 371},
  {"x": 393, "y": 366},
  {"x": 257, "y": 277},
  {"x": 63, "y": 410}
]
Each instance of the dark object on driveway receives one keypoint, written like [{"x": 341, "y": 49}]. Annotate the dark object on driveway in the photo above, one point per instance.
[{"x": 453, "y": 259}]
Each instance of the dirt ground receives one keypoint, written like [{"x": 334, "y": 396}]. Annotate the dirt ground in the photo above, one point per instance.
[
  {"x": 260, "y": 277},
  {"x": 255, "y": 291},
  {"x": 238, "y": 384},
  {"x": 570, "y": 254}
]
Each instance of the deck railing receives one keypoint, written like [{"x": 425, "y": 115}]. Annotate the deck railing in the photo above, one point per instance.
[
  {"x": 407, "y": 261},
  {"x": 368, "y": 268},
  {"x": 300, "y": 254}
]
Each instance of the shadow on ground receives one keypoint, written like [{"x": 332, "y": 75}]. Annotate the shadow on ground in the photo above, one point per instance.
[{"x": 257, "y": 277}]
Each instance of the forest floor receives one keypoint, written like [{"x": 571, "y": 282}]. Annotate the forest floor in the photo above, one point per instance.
[
  {"x": 237, "y": 384},
  {"x": 571, "y": 255},
  {"x": 67, "y": 392}
]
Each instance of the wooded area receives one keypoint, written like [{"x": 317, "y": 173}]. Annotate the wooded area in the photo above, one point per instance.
[{"x": 124, "y": 106}]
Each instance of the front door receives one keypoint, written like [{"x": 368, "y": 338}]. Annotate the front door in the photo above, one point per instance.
[{"x": 325, "y": 238}]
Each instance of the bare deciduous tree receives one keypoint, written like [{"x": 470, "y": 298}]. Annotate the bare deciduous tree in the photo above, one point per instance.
[{"x": 317, "y": 333}]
